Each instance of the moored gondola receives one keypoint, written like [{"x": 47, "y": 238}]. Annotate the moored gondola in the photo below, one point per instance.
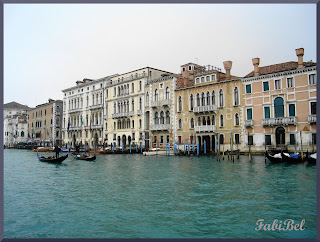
[
  {"x": 311, "y": 159},
  {"x": 52, "y": 159},
  {"x": 84, "y": 157},
  {"x": 292, "y": 159},
  {"x": 274, "y": 158}
]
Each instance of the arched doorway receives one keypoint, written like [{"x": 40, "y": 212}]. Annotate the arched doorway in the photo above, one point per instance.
[
  {"x": 129, "y": 139},
  {"x": 280, "y": 136},
  {"x": 118, "y": 141},
  {"x": 124, "y": 140}
]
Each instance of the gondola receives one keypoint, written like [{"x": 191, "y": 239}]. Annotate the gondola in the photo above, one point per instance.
[
  {"x": 292, "y": 159},
  {"x": 274, "y": 158},
  {"x": 52, "y": 159},
  {"x": 311, "y": 159},
  {"x": 84, "y": 157}
]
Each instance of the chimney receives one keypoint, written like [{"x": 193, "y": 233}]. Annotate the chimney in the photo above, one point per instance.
[
  {"x": 300, "y": 53},
  {"x": 227, "y": 66},
  {"x": 256, "y": 62}
]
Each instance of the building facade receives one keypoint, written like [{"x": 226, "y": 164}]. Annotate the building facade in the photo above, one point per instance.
[
  {"x": 15, "y": 126},
  {"x": 126, "y": 120},
  {"x": 45, "y": 123},
  {"x": 209, "y": 112},
  {"x": 280, "y": 105}
]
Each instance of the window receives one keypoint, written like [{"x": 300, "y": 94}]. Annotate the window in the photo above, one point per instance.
[
  {"x": 266, "y": 86},
  {"x": 202, "y": 79},
  {"x": 180, "y": 124},
  {"x": 292, "y": 139},
  {"x": 192, "y": 123},
  {"x": 179, "y": 104},
  {"x": 236, "y": 96},
  {"x": 277, "y": 84},
  {"x": 266, "y": 112},
  {"x": 213, "y": 98},
  {"x": 140, "y": 85},
  {"x": 249, "y": 114},
  {"x": 140, "y": 123},
  {"x": 208, "y": 98},
  {"x": 132, "y": 87},
  {"x": 237, "y": 139},
  {"x": 133, "y": 124},
  {"x": 250, "y": 140},
  {"x": 156, "y": 92},
  {"x": 248, "y": 88},
  {"x": 208, "y": 78},
  {"x": 237, "y": 121},
  {"x": 221, "y": 120},
  {"x": 312, "y": 79},
  {"x": 161, "y": 117},
  {"x": 292, "y": 110},
  {"x": 213, "y": 120},
  {"x": 221, "y": 98},
  {"x": 213, "y": 77},
  {"x": 161, "y": 139},
  {"x": 314, "y": 139},
  {"x": 179, "y": 140},
  {"x": 267, "y": 138},
  {"x": 191, "y": 102},
  {"x": 313, "y": 108},
  {"x": 168, "y": 139},
  {"x": 190, "y": 68},
  {"x": 22, "y": 134},
  {"x": 156, "y": 118},
  {"x": 161, "y": 85},
  {"x": 167, "y": 93},
  {"x": 168, "y": 117},
  {"x": 147, "y": 97},
  {"x": 183, "y": 69},
  {"x": 202, "y": 99},
  {"x": 290, "y": 82},
  {"x": 221, "y": 139},
  {"x": 198, "y": 80},
  {"x": 278, "y": 107}
]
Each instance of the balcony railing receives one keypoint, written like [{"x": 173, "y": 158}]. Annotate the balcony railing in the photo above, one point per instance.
[
  {"x": 205, "y": 128},
  {"x": 202, "y": 109},
  {"x": 279, "y": 121},
  {"x": 248, "y": 123},
  {"x": 154, "y": 104},
  {"x": 97, "y": 126},
  {"x": 159, "y": 127},
  {"x": 75, "y": 110},
  {"x": 130, "y": 78},
  {"x": 96, "y": 106},
  {"x": 312, "y": 118},
  {"x": 166, "y": 102},
  {"x": 120, "y": 115},
  {"x": 139, "y": 112}
]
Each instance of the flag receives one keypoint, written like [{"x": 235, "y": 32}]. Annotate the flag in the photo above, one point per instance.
[
  {"x": 81, "y": 124},
  {"x": 68, "y": 126}
]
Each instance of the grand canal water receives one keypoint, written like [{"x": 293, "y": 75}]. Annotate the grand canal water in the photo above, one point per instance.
[{"x": 134, "y": 196}]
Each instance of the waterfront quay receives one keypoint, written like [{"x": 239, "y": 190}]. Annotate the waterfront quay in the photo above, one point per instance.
[{"x": 136, "y": 196}]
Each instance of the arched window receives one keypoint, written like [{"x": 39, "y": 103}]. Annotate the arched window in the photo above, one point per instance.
[
  {"x": 208, "y": 121},
  {"x": 213, "y": 120},
  {"x": 87, "y": 101},
  {"x": 133, "y": 124},
  {"x": 167, "y": 117},
  {"x": 180, "y": 124},
  {"x": 204, "y": 121},
  {"x": 199, "y": 121},
  {"x": 167, "y": 93},
  {"x": 22, "y": 134},
  {"x": 156, "y": 93},
  {"x": 221, "y": 141},
  {"x": 192, "y": 123},
  {"x": 202, "y": 99},
  {"x": 198, "y": 100},
  {"x": 237, "y": 121},
  {"x": 208, "y": 98},
  {"x": 221, "y": 120},
  {"x": 140, "y": 103},
  {"x": 180, "y": 103},
  {"x": 97, "y": 98},
  {"x": 221, "y": 98},
  {"x": 156, "y": 118},
  {"x": 114, "y": 108},
  {"x": 236, "y": 96},
  {"x": 132, "y": 105},
  {"x": 191, "y": 102},
  {"x": 161, "y": 117},
  {"x": 147, "y": 98},
  {"x": 278, "y": 107},
  {"x": 140, "y": 123}
]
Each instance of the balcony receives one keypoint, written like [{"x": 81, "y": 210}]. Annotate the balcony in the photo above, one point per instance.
[
  {"x": 139, "y": 112},
  {"x": 76, "y": 110},
  {"x": 202, "y": 109},
  {"x": 97, "y": 126},
  {"x": 166, "y": 102},
  {"x": 154, "y": 104},
  {"x": 120, "y": 115},
  {"x": 312, "y": 118},
  {"x": 159, "y": 127},
  {"x": 96, "y": 106},
  {"x": 279, "y": 121},
  {"x": 248, "y": 123},
  {"x": 205, "y": 128}
]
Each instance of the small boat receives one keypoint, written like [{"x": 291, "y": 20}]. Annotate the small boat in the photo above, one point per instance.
[
  {"x": 277, "y": 158},
  {"x": 158, "y": 151},
  {"x": 292, "y": 158},
  {"x": 52, "y": 159},
  {"x": 312, "y": 159},
  {"x": 41, "y": 149},
  {"x": 84, "y": 157}
]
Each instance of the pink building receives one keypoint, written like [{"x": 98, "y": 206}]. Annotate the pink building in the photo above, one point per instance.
[{"x": 280, "y": 105}]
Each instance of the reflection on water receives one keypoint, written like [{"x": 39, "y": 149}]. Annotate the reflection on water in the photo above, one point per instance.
[{"x": 135, "y": 196}]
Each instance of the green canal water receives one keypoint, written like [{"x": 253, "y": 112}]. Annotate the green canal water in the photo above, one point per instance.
[{"x": 135, "y": 196}]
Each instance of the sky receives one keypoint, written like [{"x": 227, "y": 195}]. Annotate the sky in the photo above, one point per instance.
[{"x": 48, "y": 47}]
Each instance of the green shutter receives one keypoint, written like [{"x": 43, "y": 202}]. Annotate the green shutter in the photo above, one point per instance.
[
  {"x": 268, "y": 139},
  {"x": 292, "y": 111},
  {"x": 248, "y": 88},
  {"x": 292, "y": 139},
  {"x": 249, "y": 113},
  {"x": 266, "y": 86},
  {"x": 266, "y": 112}
]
